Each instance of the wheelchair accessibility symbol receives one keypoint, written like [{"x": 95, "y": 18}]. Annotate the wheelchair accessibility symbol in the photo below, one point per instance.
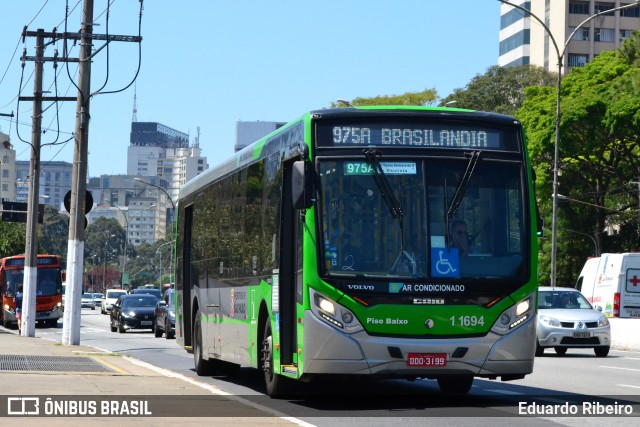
[{"x": 445, "y": 263}]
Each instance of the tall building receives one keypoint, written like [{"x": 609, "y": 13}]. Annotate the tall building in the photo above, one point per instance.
[
  {"x": 249, "y": 132},
  {"x": 55, "y": 182},
  {"x": 142, "y": 210},
  {"x": 180, "y": 165},
  {"x": 523, "y": 40},
  {"x": 7, "y": 169},
  {"x": 158, "y": 150}
]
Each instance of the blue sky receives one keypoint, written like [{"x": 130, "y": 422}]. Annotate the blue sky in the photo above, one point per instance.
[{"x": 210, "y": 63}]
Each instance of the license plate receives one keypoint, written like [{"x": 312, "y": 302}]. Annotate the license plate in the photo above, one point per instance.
[
  {"x": 582, "y": 334},
  {"x": 427, "y": 359},
  {"x": 146, "y": 323}
]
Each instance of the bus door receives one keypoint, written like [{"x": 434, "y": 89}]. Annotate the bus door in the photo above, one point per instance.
[
  {"x": 183, "y": 320},
  {"x": 290, "y": 271}
]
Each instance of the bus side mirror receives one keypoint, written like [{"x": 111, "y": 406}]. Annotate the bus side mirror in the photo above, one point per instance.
[{"x": 302, "y": 184}]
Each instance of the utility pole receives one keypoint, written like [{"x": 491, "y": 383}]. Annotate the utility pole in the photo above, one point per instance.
[
  {"x": 31, "y": 244},
  {"x": 75, "y": 248}
]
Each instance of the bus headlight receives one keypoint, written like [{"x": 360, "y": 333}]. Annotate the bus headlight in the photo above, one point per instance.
[
  {"x": 514, "y": 316},
  {"x": 334, "y": 314},
  {"x": 326, "y": 305}
]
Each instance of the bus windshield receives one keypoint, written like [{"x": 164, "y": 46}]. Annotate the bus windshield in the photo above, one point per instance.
[
  {"x": 438, "y": 235},
  {"x": 48, "y": 282}
]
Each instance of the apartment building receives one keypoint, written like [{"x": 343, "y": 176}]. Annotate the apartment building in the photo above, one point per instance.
[{"x": 524, "y": 40}]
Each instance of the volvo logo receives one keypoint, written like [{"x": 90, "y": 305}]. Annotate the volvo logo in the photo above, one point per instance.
[{"x": 429, "y": 323}]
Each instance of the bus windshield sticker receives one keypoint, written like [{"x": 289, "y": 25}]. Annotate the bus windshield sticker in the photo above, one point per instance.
[
  {"x": 389, "y": 168},
  {"x": 443, "y": 135},
  {"x": 445, "y": 263}
]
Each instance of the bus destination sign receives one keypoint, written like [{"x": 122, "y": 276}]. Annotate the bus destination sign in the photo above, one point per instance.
[
  {"x": 441, "y": 135},
  {"x": 19, "y": 262}
]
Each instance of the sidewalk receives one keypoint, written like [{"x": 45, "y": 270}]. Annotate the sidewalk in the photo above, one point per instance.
[
  {"x": 36, "y": 368},
  {"x": 625, "y": 334}
]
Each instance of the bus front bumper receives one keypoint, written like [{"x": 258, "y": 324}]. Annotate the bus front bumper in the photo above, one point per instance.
[{"x": 329, "y": 351}]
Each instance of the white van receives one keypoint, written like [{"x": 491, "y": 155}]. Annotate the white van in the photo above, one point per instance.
[
  {"x": 611, "y": 283},
  {"x": 110, "y": 297}
]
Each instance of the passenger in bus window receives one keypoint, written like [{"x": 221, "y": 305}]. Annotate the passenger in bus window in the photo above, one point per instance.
[{"x": 460, "y": 237}]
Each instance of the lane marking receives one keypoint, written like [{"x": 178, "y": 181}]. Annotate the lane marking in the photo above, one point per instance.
[
  {"x": 623, "y": 369},
  {"x": 217, "y": 391},
  {"x": 509, "y": 392}
]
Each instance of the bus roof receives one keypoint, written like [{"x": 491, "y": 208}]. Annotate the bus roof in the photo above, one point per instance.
[{"x": 251, "y": 152}]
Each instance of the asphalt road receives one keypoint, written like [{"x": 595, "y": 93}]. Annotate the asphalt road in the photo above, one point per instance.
[{"x": 557, "y": 381}]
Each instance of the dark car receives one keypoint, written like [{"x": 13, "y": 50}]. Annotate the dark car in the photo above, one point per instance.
[
  {"x": 151, "y": 291},
  {"x": 134, "y": 311},
  {"x": 164, "y": 319}
]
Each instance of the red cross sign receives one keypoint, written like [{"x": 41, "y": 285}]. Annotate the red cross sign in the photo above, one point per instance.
[{"x": 633, "y": 280}]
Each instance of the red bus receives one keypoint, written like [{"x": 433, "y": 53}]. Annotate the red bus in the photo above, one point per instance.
[{"x": 48, "y": 289}]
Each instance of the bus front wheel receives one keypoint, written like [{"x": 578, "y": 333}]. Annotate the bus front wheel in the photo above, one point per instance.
[{"x": 275, "y": 383}]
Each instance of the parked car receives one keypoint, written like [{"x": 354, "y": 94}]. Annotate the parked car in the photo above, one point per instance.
[
  {"x": 164, "y": 319},
  {"x": 132, "y": 312},
  {"x": 151, "y": 291},
  {"x": 87, "y": 301},
  {"x": 567, "y": 320},
  {"x": 110, "y": 297}
]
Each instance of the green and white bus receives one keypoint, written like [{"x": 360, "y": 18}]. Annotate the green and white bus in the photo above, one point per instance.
[{"x": 327, "y": 248}]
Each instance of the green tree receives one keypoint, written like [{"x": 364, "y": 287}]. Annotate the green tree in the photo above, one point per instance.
[
  {"x": 145, "y": 266},
  {"x": 104, "y": 240},
  {"x": 599, "y": 156},
  {"x": 53, "y": 233},
  {"x": 500, "y": 89},
  {"x": 426, "y": 97},
  {"x": 12, "y": 238}
]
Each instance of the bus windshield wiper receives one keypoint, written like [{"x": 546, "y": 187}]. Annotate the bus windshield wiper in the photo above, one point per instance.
[
  {"x": 372, "y": 155},
  {"x": 460, "y": 190},
  {"x": 463, "y": 184}
]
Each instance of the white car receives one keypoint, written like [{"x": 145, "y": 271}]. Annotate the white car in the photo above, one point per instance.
[
  {"x": 567, "y": 320},
  {"x": 110, "y": 297},
  {"x": 87, "y": 301}
]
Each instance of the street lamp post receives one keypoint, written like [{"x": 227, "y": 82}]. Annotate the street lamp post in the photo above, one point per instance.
[
  {"x": 560, "y": 55},
  {"x": 104, "y": 269},
  {"x": 173, "y": 212},
  {"x": 126, "y": 236},
  {"x": 158, "y": 251},
  {"x": 595, "y": 243}
]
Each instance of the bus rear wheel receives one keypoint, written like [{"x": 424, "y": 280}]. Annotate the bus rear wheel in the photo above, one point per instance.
[
  {"x": 455, "y": 384},
  {"x": 204, "y": 367},
  {"x": 275, "y": 384}
]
